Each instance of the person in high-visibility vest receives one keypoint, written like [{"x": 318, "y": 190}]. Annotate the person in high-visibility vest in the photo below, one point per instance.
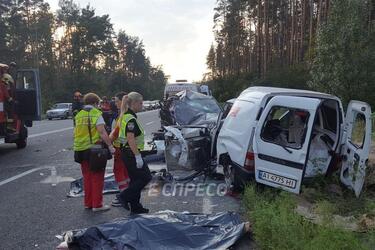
[
  {"x": 90, "y": 130},
  {"x": 119, "y": 169},
  {"x": 132, "y": 143}
]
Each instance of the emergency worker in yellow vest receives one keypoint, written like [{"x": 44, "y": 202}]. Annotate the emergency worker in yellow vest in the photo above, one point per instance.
[
  {"x": 132, "y": 143},
  {"x": 119, "y": 169},
  {"x": 90, "y": 130}
]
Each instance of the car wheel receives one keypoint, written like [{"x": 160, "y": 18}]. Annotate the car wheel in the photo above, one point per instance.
[
  {"x": 228, "y": 176},
  {"x": 233, "y": 178},
  {"x": 21, "y": 143},
  {"x": 49, "y": 118},
  {"x": 238, "y": 182}
]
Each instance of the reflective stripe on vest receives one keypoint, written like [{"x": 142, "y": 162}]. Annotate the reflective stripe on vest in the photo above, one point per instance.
[
  {"x": 81, "y": 129},
  {"x": 116, "y": 142},
  {"x": 140, "y": 140}
]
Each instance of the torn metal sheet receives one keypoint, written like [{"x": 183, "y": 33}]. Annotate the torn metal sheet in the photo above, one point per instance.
[
  {"x": 163, "y": 230},
  {"x": 187, "y": 148},
  {"x": 179, "y": 150}
]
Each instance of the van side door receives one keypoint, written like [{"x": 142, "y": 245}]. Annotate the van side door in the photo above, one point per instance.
[
  {"x": 282, "y": 139},
  {"x": 28, "y": 95},
  {"x": 356, "y": 145}
]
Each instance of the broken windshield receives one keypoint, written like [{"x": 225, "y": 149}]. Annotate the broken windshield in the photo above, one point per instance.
[{"x": 193, "y": 108}]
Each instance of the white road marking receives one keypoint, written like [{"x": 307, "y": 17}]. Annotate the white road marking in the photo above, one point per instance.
[
  {"x": 53, "y": 179},
  {"x": 19, "y": 176},
  {"x": 50, "y": 132},
  {"x": 149, "y": 123}
]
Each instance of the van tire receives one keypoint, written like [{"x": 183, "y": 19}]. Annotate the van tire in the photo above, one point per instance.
[
  {"x": 231, "y": 176},
  {"x": 22, "y": 140},
  {"x": 21, "y": 143},
  {"x": 238, "y": 182}
]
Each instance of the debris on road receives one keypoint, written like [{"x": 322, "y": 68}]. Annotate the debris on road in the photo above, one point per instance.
[
  {"x": 76, "y": 187},
  {"x": 163, "y": 230}
]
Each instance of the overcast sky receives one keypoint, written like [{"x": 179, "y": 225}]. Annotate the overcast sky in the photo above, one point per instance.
[{"x": 177, "y": 34}]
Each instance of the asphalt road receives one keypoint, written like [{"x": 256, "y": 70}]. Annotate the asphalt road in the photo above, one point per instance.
[{"x": 33, "y": 211}]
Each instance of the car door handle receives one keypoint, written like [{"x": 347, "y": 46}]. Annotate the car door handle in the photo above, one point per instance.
[{"x": 344, "y": 157}]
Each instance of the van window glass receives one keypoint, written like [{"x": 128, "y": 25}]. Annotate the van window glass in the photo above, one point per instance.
[
  {"x": 25, "y": 80},
  {"x": 329, "y": 118},
  {"x": 358, "y": 131},
  {"x": 286, "y": 126}
]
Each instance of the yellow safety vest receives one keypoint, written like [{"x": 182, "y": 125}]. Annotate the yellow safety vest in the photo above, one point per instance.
[
  {"x": 81, "y": 130},
  {"x": 140, "y": 140},
  {"x": 116, "y": 142}
]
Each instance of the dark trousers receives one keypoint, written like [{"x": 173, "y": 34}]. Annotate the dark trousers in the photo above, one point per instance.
[{"x": 139, "y": 178}]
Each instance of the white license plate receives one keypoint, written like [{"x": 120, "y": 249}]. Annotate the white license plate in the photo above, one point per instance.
[{"x": 277, "y": 179}]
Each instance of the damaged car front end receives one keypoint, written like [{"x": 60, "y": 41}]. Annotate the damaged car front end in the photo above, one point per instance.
[{"x": 190, "y": 122}]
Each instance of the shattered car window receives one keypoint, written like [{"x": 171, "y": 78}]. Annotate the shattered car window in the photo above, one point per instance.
[{"x": 192, "y": 108}]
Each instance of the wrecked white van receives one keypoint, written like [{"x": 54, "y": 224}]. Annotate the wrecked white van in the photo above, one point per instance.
[{"x": 281, "y": 136}]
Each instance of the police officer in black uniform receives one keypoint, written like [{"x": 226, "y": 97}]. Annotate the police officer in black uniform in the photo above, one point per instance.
[{"x": 132, "y": 143}]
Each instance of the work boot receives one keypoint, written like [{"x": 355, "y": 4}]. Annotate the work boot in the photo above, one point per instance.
[
  {"x": 117, "y": 202},
  {"x": 138, "y": 209}
]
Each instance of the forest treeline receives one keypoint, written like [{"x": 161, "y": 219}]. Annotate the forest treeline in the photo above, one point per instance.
[
  {"x": 324, "y": 45},
  {"x": 75, "y": 49}
]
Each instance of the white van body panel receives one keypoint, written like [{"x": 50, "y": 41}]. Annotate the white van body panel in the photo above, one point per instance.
[
  {"x": 235, "y": 134},
  {"x": 284, "y": 165},
  {"x": 353, "y": 170}
]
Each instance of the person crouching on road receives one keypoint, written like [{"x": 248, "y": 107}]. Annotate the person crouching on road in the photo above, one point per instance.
[
  {"x": 119, "y": 169},
  {"x": 132, "y": 142},
  {"x": 90, "y": 130}
]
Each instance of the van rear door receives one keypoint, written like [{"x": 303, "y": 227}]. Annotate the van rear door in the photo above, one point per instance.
[
  {"x": 235, "y": 134},
  {"x": 356, "y": 145},
  {"x": 28, "y": 95},
  {"x": 282, "y": 140}
]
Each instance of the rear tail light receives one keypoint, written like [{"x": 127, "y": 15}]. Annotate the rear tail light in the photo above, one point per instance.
[{"x": 249, "y": 161}]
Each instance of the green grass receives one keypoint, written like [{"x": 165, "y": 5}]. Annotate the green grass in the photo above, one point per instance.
[
  {"x": 277, "y": 226},
  {"x": 347, "y": 204}
]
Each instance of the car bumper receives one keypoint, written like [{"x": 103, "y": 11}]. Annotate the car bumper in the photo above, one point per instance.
[{"x": 242, "y": 173}]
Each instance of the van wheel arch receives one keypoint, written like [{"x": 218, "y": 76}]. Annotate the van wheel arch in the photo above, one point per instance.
[{"x": 231, "y": 176}]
